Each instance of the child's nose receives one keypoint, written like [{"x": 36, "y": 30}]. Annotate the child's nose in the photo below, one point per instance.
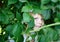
[{"x": 41, "y": 23}]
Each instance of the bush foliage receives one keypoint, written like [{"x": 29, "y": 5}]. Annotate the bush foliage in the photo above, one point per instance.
[{"x": 14, "y": 13}]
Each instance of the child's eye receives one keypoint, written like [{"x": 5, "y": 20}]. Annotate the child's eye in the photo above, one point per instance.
[
  {"x": 35, "y": 18},
  {"x": 42, "y": 19}
]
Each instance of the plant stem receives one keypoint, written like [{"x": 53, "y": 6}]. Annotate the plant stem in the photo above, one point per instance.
[{"x": 58, "y": 23}]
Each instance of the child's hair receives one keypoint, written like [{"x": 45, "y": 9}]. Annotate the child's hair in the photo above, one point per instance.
[{"x": 31, "y": 13}]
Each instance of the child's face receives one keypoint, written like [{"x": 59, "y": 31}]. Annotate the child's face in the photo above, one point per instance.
[{"x": 38, "y": 20}]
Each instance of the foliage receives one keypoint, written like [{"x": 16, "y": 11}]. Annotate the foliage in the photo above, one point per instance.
[{"x": 14, "y": 15}]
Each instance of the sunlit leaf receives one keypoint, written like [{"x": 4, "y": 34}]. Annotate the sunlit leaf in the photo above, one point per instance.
[
  {"x": 54, "y": 0},
  {"x": 23, "y": 0},
  {"x": 27, "y": 8},
  {"x": 26, "y": 17}
]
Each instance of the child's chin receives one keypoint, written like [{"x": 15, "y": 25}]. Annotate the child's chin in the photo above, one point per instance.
[{"x": 38, "y": 26}]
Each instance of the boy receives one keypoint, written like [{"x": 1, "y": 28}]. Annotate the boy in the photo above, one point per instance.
[{"x": 38, "y": 21}]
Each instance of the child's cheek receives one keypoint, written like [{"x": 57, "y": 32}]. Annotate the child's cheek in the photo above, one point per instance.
[{"x": 37, "y": 22}]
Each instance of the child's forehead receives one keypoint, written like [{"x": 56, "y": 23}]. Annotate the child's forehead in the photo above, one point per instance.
[{"x": 36, "y": 15}]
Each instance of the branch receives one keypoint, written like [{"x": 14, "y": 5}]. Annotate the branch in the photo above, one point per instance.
[{"x": 58, "y": 23}]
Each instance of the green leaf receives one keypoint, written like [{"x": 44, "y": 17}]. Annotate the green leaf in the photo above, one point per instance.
[
  {"x": 20, "y": 38},
  {"x": 18, "y": 16},
  {"x": 45, "y": 1},
  {"x": 52, "y": 34},
  {"x": 26, "y": 17},
  {"x": 58, "y": 29},
  {"x": 27, "y": 8},
  {"x": 58, "y": 15},
  {"x": 6, "y": 15},
  {"x": 46, "y": 7},
  {"x": 42, "y": 38},
  {"x": 46, "y": 14},
  {"x": 36, "y": 9},
  {"x": 23, "y": 0},
  {"x": 54, "y": 1},
  {"x": 56, "y": 20},
  {"x": 4, "y": 19},
  {"x": 12, "y": 1},
  {"x": 49, "y": 35},
  {"x": 19, "y": 5},
  {"x": 58, "y": 6},
  {"x": 17, "y": 30},
  {"x": 9, "y": 28},
  {"x": 31, "y": 23}
]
